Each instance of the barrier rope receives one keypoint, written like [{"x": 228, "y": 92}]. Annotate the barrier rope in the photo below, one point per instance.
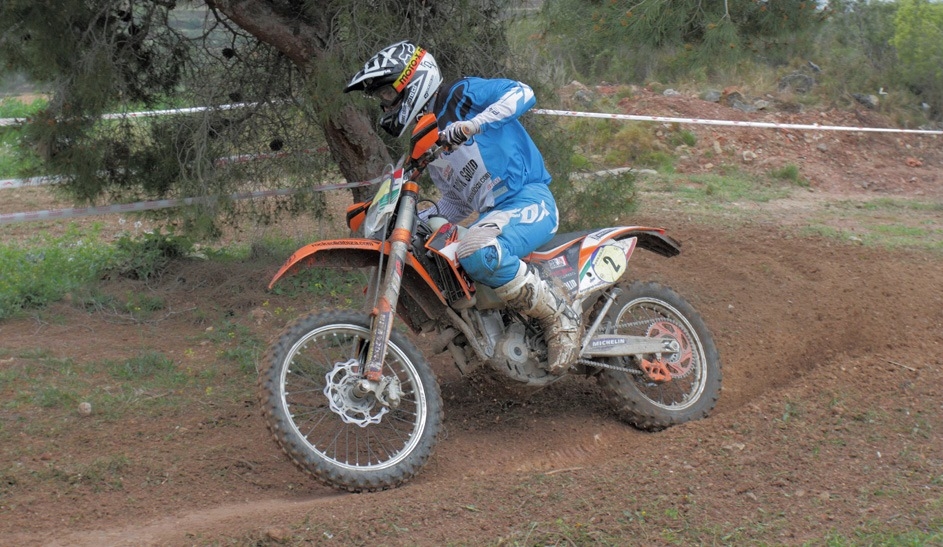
[
  {"x": 10, "y": 218},
  {"x": 733, "y": 123},
  {"x": 75, "y": 212}
]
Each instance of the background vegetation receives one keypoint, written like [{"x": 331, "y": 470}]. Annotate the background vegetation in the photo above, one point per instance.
[
  {"x": 188, "y": 56},
  {"x": 198, "y": 57}
]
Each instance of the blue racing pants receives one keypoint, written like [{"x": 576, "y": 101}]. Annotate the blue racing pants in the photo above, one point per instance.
[{"x": 527, "y": 221}]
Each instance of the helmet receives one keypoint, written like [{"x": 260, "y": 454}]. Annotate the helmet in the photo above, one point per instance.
[{"x": 404, "y": 77}]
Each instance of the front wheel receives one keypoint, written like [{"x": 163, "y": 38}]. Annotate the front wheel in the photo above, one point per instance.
[
  {"x": 654, "y": 393},
  {"x": 308, "y": 387}
]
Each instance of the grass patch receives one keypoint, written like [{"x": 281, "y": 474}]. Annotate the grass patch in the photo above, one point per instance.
[
  {"x": 16, "y": 160},
  {"x": 891, "y": 205},
  {"x": 877, "y": 534},
  {"x": 46, "y": 390},
  {"x": 15, "y": 108},
  {"x": 890, "y": 236},
  {"x": 344, "y": 288},
  {"x": 717, "y": 189},
  {"x": 790, "y": 173},
  {"x": 43, "y": 271},
  {"x": 237, "y": 344},
  {"x": 884, "y": 222},
  {"x": 149, "y": 365}
]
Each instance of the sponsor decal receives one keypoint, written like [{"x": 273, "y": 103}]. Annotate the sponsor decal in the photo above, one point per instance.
[
  {"x": 410, "y": 69},
  {"x": 477, "y": 187},
  {"x": 468, "y": 171},
  {"x": 383, "y": 324},
  {"x": 557, "y": 262},
  {"x": 606, "y": 342},
  {"x": 344, "y": 243}
]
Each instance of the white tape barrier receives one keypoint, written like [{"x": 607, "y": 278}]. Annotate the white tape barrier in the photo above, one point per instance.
[
  {"x": 36, "y": 181},
  {"x": 31, "y": 181},
  {"x": 146, "y": 113},
  {"x": 56, "y": 214},
  {"x": 161, "y": 204},
  {"x": 229, "y": 160},
  {"x": 700, "y": 121}
]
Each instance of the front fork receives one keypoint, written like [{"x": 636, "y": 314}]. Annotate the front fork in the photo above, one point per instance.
[{"x": 384, "y": 311}]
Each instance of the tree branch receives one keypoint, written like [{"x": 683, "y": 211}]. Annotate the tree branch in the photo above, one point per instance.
[{"x": 300, "y": 40}]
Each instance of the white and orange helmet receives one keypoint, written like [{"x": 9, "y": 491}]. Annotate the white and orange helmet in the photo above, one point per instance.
[{"x": 404, "y": 77}]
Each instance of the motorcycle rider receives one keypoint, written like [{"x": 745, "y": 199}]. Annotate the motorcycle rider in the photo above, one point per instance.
[{"x": 492, "y": 168}]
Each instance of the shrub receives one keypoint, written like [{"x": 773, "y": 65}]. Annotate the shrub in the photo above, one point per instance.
[
  {"x": 595, "y": 202},
  {"x": 146, "y": 256},
  {"x": 918, "y": 37}
]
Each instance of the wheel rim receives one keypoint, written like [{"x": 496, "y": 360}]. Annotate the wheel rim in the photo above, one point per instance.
[
  {"x": 357, "y": 434},
  {"x": 656, "y": 318}
]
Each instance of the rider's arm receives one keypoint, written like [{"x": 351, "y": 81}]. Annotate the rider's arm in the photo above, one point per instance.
[
  {"x": 501, "y": 101},
  {"x": 484, "y": 104},
  {"x": 453, "y": 211}
]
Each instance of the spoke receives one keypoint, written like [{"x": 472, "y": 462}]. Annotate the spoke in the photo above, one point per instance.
[
  {"x": 305, "y": 413},
  {"x": 296, "y": 391},
  {"x": 384, "y": 445},
  {"x": 324, "y": 416},
  {"x": 333, "y": 443},
  {"x": 302, "y": 375}
]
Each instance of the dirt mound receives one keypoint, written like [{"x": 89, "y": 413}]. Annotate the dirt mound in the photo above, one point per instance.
[{"x": 847, "y": 162}]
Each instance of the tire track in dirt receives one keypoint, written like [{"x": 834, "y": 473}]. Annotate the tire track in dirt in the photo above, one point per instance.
[
  {"x": 189, "y": 527},
  {"x": 780, "y": 309}
]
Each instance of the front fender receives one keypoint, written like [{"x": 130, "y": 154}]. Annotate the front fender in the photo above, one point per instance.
[{"x": 346, "y": 253}]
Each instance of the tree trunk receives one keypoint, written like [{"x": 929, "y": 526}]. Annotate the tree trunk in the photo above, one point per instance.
[{"x": 356, "y": 148}]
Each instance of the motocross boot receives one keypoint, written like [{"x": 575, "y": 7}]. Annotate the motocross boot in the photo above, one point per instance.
[{"x": 534, "y": 297}]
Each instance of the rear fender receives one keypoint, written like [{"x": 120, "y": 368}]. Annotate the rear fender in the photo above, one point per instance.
[
  {"x": 586, "y": 262},
  {"x": 652, "y": 239}
]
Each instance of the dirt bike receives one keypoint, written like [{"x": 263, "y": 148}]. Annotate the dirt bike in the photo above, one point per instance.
[{"x": 353, "y": 402}]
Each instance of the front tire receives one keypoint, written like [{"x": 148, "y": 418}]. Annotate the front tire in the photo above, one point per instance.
[
  {"x": 348, "y": 441},
  {"x": 651, "y": 309}
]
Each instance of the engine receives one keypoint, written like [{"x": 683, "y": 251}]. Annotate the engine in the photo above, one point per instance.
[{"x": 514, "y": 347}]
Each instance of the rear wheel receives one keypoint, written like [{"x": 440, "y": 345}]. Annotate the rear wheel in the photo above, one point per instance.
[
  {"x": 345, "y": 438},
  {"x": 657, "y": 393}
]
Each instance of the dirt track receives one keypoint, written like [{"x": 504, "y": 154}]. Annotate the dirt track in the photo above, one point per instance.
[
  {"x": 828, "y": 423},
  {"x": 815, "y": 339}
]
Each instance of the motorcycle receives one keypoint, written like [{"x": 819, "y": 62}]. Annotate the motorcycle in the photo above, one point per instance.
[{"x": 354, "y": 402}]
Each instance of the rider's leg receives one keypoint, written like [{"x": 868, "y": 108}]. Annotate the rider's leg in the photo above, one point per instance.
[
  {"x": 534, "y": 297},
  {"x": 491, "y": 256}
]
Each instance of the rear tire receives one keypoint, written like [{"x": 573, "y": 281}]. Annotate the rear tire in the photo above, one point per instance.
[
  {"x": 348, "y": 442},
  {"x": 651, "y": 309}
]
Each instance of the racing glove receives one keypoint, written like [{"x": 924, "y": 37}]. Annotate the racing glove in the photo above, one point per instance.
[{"x": 459, "y": 132}]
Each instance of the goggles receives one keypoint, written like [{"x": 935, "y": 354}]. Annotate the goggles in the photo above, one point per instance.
[{"x": 386, "y": 94}]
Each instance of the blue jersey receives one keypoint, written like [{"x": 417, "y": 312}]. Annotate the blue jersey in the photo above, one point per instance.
[{"x": 492, "y": 166}]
